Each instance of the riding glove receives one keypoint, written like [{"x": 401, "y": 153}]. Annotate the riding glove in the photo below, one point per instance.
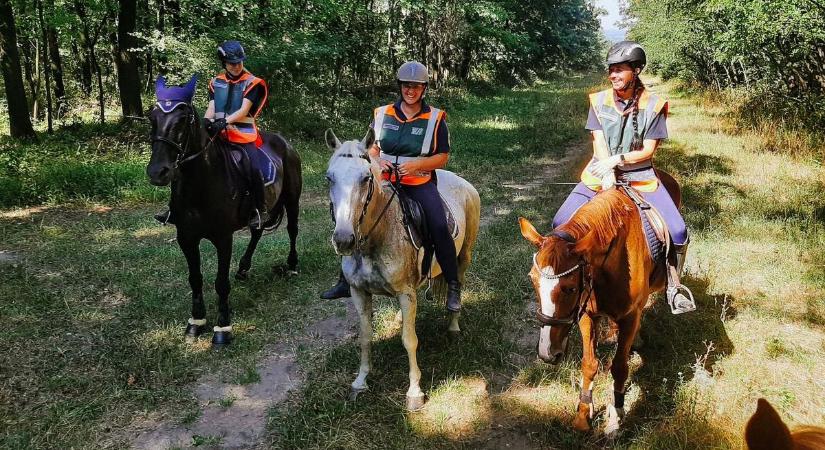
[{"x": 604, "y": 166}]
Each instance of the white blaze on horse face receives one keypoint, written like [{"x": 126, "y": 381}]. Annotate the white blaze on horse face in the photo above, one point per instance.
[{"x": 546, "y": 287}]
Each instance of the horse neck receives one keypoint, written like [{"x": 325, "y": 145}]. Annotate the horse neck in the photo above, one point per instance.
[
  {"x": 381, "y": 227},
  {"x": 203, "y": 173}
]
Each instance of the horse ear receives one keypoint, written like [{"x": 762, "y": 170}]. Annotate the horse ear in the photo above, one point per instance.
[
  {"x": 332, "y": 140},
  {"x": 529, "y": 232},
  {"x": 369, "y": 139},
  {"x": 765, "y": 429},
  {"x": 160, "y": 83},
  {"x": 193, "y": 82}
]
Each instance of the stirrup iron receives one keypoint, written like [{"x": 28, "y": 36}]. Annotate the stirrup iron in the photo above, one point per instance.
[{"x": 687, "y": 303}]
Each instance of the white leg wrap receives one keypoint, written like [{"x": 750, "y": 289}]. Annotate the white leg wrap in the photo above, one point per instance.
[
  {"x": 198, "y": 322},
  {"x": 217, "y": 328}
]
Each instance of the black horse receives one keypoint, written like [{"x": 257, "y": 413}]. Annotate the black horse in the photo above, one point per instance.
[{"x": 206, "y": 204}]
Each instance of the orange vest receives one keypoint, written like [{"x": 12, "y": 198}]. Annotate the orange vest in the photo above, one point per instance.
[
  {"x": 243, "y": 130},
  {"x": 411, "y": 138}
]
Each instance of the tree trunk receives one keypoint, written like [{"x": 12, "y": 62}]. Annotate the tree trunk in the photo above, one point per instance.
[
  {"x": 46, "y": 65},
  {"x": 82, "y": 48},
  {"x": 29, "y": 70},
  {"x": 20, "y": 124},
  {"x": 128, "y": 78},
  {"x": 56, "y": 67}
]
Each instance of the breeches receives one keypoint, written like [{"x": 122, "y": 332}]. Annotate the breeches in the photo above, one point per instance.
[
  {"x": 659, "y": 198},
  {"x": 427, "y": 196}
]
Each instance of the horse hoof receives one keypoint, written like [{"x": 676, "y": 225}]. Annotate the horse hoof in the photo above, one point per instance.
[
  {"x": 415, "y": 403},
  {"x": 353, "y": 393},
  {"x": 292, "y": 273},
  {"x": 193, "y": 331},
  {"x": 241, "y": 275},
  {"x": 221, "y": 339},
  {"x": 453, "y": 335}
]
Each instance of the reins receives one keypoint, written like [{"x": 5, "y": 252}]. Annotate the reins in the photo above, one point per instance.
[{"x": 363, "y": 239}]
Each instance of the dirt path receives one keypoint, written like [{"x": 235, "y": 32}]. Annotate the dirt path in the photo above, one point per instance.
[{"x": 241, "y": 424}]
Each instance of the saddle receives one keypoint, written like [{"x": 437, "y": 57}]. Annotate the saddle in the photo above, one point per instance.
[
  {"x": 654, "y": 226},
  {"x": 241, "y": 168},
  {"x": 415, "y": 224}
]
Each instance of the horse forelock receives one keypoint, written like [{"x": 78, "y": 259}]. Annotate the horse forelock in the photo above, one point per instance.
[
  {"x": 352, "y": 153},
  {"x": 600, "y": 220}
]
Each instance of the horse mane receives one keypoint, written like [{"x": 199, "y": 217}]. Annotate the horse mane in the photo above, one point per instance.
[{"x": 600, "y": 220}]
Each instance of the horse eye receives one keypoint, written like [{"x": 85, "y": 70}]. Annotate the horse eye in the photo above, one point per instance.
[
  {"x": 569, "y": 290},
  {"x": 366, "y": 179},
  {"x": 329, "y": 178}
]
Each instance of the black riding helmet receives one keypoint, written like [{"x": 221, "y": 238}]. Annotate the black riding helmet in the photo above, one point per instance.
[
  {"x": 231, "y": 52},
  {"x": 627, "y": 52}
]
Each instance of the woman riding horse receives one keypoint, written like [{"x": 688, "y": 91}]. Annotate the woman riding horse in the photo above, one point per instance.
[
  {"x": 626, "y": 153},
  {"x": 412, "y": 138},
  {"x": 236, "y": 98}
]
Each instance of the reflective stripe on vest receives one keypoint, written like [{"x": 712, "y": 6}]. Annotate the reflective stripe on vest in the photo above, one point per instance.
[
  {"x": 228, "y": 98},
  {"x": 409, "y": 142},
  {"x": 611, "y": 120}
]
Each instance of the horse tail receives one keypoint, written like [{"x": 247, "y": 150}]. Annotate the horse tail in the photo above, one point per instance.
[{"x": 277, "y": 214}]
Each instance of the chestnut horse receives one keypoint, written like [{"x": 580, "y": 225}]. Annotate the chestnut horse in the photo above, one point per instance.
[{"x": 596, "y": 265}]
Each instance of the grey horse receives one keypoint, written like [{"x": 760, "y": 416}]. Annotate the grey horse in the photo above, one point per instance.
[{"x": 378, "y": 257}]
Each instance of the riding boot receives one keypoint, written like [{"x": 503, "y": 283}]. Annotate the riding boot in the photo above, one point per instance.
[
  {"x": 679, "y": 296},
  {"x": 454, "y": 296},
  {"x": 340, "y": 290},
  {"x": 165, "y": 217},
  {"x": 261, "y": 215}
]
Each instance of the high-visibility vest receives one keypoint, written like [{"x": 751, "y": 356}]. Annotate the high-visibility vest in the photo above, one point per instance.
[
  {"x": 619, "y": 139},
  {"x": 228, "y": 97},
  {"x": 405, "y": 140}
]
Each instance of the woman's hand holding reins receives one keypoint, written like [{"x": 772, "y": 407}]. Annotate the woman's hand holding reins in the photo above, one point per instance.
[
  {"x": 386, "y": 166},
  {"x": 409, "y": 168}
]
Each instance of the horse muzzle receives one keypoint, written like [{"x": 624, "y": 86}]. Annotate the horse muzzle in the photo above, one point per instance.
[
  {"x": 344, "y": 242},
  {"x": 160, "y": 175},
  {"x": 551, "y": 350}
]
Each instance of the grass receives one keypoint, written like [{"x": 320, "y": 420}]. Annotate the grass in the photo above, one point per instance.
[{"x": 96, "y": 304}]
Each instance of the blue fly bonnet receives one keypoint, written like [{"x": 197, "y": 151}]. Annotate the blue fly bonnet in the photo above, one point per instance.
[{"x": 170, "y": 97}]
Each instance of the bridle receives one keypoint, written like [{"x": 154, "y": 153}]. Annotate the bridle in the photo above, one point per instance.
[
  {"x": 182, "y": 149},
  {"x": 582, "y": 300},
  {"x": 362, "y": 238}
]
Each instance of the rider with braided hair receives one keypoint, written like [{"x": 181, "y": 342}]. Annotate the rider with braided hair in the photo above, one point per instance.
[{"x": 627, "y": 152}]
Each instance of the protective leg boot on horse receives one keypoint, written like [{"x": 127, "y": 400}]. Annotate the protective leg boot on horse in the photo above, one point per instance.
[
  {"x": 679, "y": 296},
  {"x": 340, "y": 290}
]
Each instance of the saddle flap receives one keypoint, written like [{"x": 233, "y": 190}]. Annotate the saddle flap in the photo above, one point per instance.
[
  {"x": 653, "y": 225},
  {"x": 415, "y": 221},
  {"x": 242, "y": 167}
]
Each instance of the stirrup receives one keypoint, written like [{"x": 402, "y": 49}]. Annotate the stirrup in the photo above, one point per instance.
[
  {"x": 257, "y": 221},
  {"x": 163, "y": 218},
  {"x": 687, "y": 303}
]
